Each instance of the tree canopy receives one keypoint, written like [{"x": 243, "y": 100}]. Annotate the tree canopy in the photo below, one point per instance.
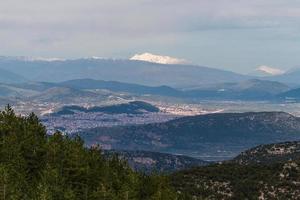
[{"x": 34, "y": 165}]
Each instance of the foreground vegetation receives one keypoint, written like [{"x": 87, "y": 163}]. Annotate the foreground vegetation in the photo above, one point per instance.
[
  {"x": 235, "y": 181},
  {"x": 36, "y": 166}
]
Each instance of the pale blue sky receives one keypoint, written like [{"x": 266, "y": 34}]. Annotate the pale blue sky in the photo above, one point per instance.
[{"x": 237, "y": 35}]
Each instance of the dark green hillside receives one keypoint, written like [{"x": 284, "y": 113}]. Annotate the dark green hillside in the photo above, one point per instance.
[
  {"x": 234, "y": 181},
  {"x": 269, "y": 171},
  {"x": 221, "y": 135},
  {"x": 36, "y": 166},
  {"x": 270, "y": 153},
  {"x": 134, "y": 107}
]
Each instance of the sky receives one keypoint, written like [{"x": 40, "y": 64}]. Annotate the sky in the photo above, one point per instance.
[{"x": 236, "y": 35}]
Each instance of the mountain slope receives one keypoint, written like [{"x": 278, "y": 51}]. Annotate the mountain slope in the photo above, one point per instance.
[
  {"x": 10, "y": 77},
  {"x": 291, "y": 77},
  {"x": 212, "y": 136},
  {"x": 271, "y": 153},
  {"x": 291, "y": 94},
  {"x": 264, "y": 71},
  {"x": 235, "y": 181},
  {"x": 246, "y": 90},
  {"x": 8, "y": 90},
  {"x": 116, "y": 86},
  {"x": 149, "y": 162},
  {"x": 63, "y": 94},
  {"x": 269, "y": 171},
  {"x": 253, "y": 89}
]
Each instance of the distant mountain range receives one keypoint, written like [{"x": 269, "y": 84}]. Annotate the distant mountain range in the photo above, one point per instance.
[
  {"x": 116, "y": 86},
  {"x": 144, "y": 69},
  {"x": 129, "y": 71},
  {"x": 212, "y": 136},
  {"x": 249, "y": 90},
  {"x": 253, "y": 89}
]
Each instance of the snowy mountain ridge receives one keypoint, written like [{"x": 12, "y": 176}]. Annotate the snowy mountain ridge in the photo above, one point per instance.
[
  {"x": 148, "y": 57},
  {"x": 269, "y": 71}
]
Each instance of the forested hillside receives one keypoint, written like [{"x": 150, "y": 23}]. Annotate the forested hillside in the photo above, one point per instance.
[
  {"x": 235, "y": 181},
  {"x": 218, "y": 135},
  {"x": 264, "y": 172},
  {"x": 36, "y": 166}
]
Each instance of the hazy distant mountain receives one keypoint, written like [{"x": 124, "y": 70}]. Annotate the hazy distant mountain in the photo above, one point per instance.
[
  {"x": 63, "y": 94},
  {"x": 36, "y": 86},
  {"x": 253, "y": 89},
  {"x": 291, "y": 77},
  {"x": 116, "y": 86},
  {"x": 213, "y": 135},
  {"x": 291, "y": 94},
  {"x": 12, "y": 91},
  {"x": 10, "y": 77},
  {"x": 263, "y": 71},
  {"x": 259, "y": 87},
  {"x": 130, "y": 71}
]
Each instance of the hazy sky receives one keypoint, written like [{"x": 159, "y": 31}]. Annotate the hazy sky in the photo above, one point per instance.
[{"x": 237, "y": 35}]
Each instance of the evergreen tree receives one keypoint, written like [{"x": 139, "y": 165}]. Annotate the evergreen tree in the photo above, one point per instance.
[{"x": 36, "y": 166}]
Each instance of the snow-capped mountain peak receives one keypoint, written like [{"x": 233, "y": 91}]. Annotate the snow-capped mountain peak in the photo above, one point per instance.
[
  {"x": 148, "y": 57},
  {"x": 269, "y": 71}
]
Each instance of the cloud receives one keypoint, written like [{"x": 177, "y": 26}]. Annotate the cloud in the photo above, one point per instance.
[
  {"x": 73, "y": 28},
  {"x": 142, "y": 16}
]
